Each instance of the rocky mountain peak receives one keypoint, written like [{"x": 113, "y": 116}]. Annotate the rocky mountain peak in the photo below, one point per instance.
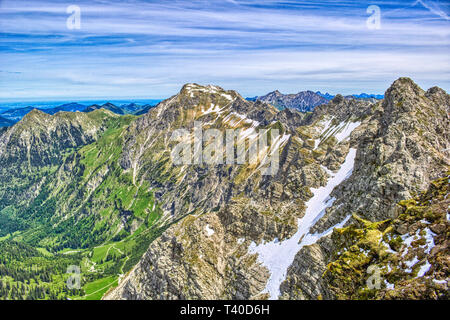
[
  {"x": 275, "y": 93},
  {"x": 438, "y": 95},
  {"x": 402, "y": 95},
  {"x": 405, "y": 99},
  {"x": 34, "y": 114},
  {"x": 436, "y": 91},
  {"x": 405, "y": 82},
  {"x": 338, "y": 99},
  {"x": 194, "y": 88},
  {"x": 205, "y": 103},
  {"x": 33, "y": 120}
]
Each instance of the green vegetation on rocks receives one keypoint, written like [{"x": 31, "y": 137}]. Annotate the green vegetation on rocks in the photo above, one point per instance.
[{"x": 410, "y": 251}]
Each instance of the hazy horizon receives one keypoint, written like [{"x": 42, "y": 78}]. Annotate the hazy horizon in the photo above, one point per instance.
[
  {"x": 52, "y": 101},
  {"x": 4, "y": 106},
  {"x": 136, "y": 99}
]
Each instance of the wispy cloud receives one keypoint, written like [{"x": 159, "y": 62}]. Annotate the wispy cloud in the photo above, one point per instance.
[
  {"x": 150, "y": 48},
  {"x": 434, "y": 7}
]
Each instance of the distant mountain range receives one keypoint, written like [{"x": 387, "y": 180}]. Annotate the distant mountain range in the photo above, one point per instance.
[
  {"x": 107, "y": 106},
  {"x": 5, "y": 122},
  {"x": 68, "y": 107},
  {"x": 305, "y": 101},
  {"x": 353, "y": 96},
  {"x": 144, "y": 110},
  {"x": 131, "y": 108},
  {"x": 12, "y": 116},
  {"x": 16, "y": 114},
  {"x": 325, "y": 95}
]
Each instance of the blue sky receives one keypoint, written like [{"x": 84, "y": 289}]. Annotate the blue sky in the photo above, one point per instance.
[{"x": 149, "y": 49}]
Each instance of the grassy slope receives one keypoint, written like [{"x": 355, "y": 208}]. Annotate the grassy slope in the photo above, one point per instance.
[{"x": 90, "y": 233}]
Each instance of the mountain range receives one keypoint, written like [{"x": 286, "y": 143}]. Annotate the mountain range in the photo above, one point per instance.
[
  {"x": 358, "y": 208},
  {"x": 14, "y": 115},
  {"x": 5, "y": 122},
  {"x": 305, "y": 101},
  {"x": 355, "y": 96}
]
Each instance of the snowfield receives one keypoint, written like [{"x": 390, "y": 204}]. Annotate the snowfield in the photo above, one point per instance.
[
  {"x": 346, "y": 131},
  {"x": 278, "y": 256}
]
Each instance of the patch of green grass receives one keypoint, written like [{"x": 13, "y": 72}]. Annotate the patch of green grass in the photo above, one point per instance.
[{"x": 96, "y": 289}]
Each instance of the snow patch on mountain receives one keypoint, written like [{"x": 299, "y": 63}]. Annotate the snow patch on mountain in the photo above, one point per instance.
[
  {"x": 347, "y": 129},
  {"x": 278, "y": 256}
]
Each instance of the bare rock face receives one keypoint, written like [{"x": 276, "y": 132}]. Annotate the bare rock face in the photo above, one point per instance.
[
  {"x": 401, "y": 148},
  {"x": 205, "y": 263},
  {"x": 400, "y": 151},
  {"x": 350, "y": 159}
]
